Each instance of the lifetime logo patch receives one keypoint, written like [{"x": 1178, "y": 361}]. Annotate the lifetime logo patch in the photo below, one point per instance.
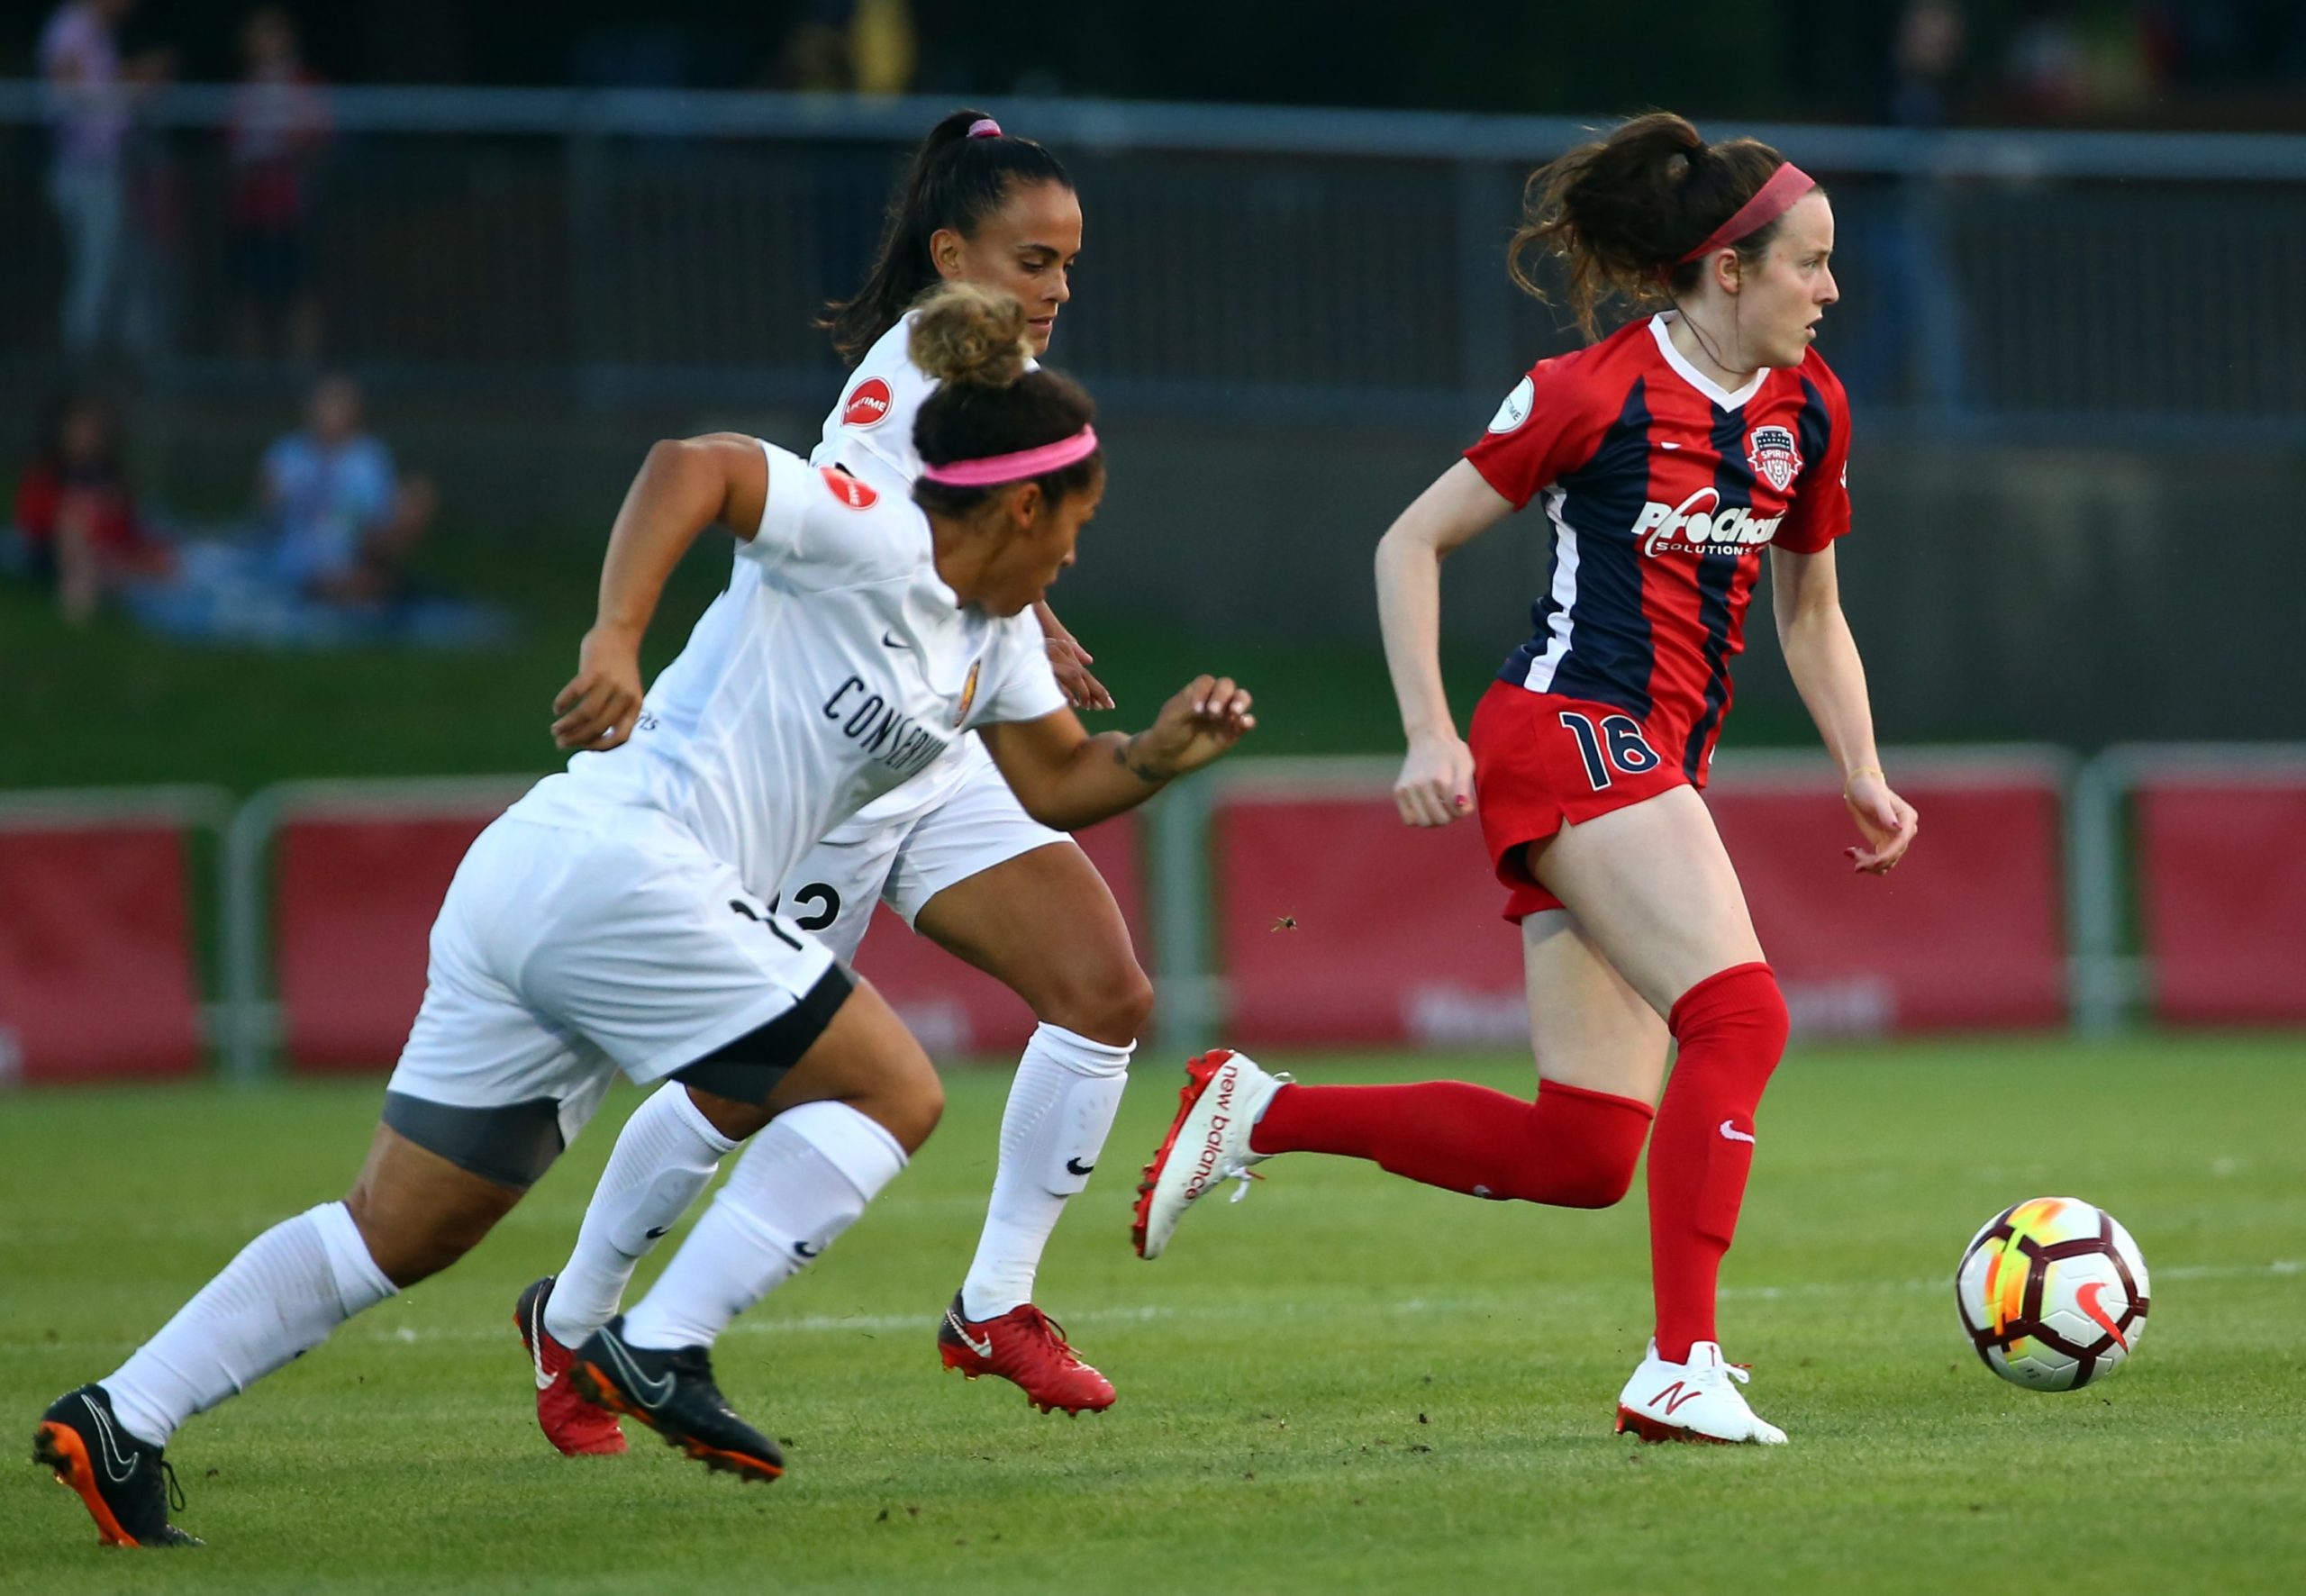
[
  {"x": 868, "y": 405},
  {"x": 848, "y": 489},
  {"x": 1517, "y": 406}
]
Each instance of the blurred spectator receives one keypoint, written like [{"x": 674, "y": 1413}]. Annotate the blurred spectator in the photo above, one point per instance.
[
  {"x": 1927, "y": 51},
  {"x": 76, "y": 518},
  {"x": 90, "y": 104},
  {"x": 2071, "y": 59},
  {"x": 344, "y": 525},
  {"x": 867, "y": 46},
  {"x": 278, "y": 129}
]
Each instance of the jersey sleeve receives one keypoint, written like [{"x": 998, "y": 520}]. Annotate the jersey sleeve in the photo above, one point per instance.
[
  {"x": 870, "y": 430},
  {"x": 793, "y": 492},
  {"x": 1544, "y": 427},
  {"x": 1024, "y": 687},
  {"x": 1819, "y": 513}
]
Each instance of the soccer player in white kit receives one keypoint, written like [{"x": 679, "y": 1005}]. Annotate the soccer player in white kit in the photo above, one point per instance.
[
  {"x": 953, "y": 851},
  {"x": 618, "y": 916}
]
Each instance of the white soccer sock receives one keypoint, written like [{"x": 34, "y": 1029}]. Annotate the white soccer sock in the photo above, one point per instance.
[
  {"x": 801, "y": 1182},
  {"x": 1060, "y": 1108},
  {"x": 664, "y": 1155},
  {"x": 280, "y": 1298}
]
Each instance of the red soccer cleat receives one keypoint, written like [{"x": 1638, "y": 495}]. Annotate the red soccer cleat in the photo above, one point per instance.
[
  {"x": 568, "y": 1421},
  {"x": 1025, "y": 1346}
]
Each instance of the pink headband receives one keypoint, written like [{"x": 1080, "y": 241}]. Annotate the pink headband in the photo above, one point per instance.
[
  {"x": 1020, "y": 466},
  {"x": 1774, "y": 199},
  {"x": 985, "y": 127}
]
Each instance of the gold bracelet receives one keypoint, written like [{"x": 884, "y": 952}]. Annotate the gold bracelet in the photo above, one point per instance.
[{"x": 1861, "y": 770}]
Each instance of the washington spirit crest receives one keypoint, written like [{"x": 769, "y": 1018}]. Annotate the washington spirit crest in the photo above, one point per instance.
[{"x": 1774, "y": 458}]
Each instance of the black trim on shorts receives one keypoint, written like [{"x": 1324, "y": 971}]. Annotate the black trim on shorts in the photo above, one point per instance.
[
  {"x": 512, "y": 1145},
  {"x": 750, "y": 1068}
]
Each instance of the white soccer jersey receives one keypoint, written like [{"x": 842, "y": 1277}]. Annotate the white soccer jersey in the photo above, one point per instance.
[
  {"x": 836, "y": 666},
  {"x": 870, "y": 431},
  {"x": 870, "y": 434}
]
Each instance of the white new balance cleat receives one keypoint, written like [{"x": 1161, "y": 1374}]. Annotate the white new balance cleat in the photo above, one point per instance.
[
  {"x": 1698, "y": 1400},
  {"x": 1208, "y": 1142}
]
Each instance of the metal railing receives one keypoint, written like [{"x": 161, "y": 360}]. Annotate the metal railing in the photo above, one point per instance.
[
  {"x": 246, "y": 1041},
  {"x": 2110, "y": 975},
  {"x": 631, "y": 242}
]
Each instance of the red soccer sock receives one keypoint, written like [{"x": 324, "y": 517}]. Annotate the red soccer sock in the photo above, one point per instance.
[
  {"x": 1572, "y": 1148},
  {"x": 1731, "y": 1031}
]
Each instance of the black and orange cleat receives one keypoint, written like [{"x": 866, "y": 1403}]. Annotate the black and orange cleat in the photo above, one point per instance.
[
  {"x": 569, "y": 1422},
  {"x": 1027, "y": 1348},
  {"x": 126, "y": 1485},
  {"x": 673, "y": 1393}
]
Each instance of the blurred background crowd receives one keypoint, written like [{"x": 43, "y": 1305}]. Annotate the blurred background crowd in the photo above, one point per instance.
[{"x": 334, "y": 326}]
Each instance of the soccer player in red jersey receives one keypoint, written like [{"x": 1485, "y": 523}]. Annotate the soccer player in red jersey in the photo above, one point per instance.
[{"x": 1666, "y": 458}]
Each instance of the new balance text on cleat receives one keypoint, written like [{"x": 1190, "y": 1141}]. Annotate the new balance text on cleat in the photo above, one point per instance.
[
  {"x": 673, "y": 1393},
  {"x": 126, "y": 1485},
  {"x": 572, "y": 1424},
  {"x": 1208, "y": 1142},
  {"x": 1698, "y": 1400},
  {"x": 1027, "y": 1348}
]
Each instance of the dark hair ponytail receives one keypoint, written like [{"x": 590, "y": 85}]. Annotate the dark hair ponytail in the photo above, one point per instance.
[
  {"x": 1620, "y": 212},
  {"x": 955, "y": 181},
  {"x": 990, "y": 399}
]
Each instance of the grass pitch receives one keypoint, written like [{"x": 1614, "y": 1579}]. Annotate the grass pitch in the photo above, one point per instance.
[{"x": 1346, "y": 1383}]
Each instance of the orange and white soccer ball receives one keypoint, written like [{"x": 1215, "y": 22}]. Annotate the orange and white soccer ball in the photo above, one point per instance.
[{"x": 2052, "y": 1294}]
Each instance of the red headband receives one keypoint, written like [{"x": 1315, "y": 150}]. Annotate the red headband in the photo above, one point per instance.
[{"x": 1774, "y": 199}]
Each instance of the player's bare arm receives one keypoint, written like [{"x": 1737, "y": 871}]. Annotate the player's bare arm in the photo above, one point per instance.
[
  {"x": 683, "y": 486},
  {"x": 1823, "y": 658},
  {"x": 1436, "y": 784},
  {"x": 1067, "y": 779},
  {"x": 1071, "y": 662}
]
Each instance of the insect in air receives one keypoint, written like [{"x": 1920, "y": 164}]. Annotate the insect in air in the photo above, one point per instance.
[{"x": 1286, "y": 922}]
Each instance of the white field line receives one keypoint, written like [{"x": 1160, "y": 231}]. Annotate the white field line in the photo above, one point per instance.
[{"x": 373, "y": 1331}]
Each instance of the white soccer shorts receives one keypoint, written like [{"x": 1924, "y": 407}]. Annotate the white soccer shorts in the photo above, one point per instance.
[
  {"x": 562, "y": 954},
  {"x": 905, "y": 847}
]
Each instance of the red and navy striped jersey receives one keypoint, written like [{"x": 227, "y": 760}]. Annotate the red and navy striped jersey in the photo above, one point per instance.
[{"x": 1662, "y": 490}]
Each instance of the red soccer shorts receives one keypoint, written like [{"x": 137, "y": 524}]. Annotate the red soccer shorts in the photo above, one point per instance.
[{"x": 1542, "y": 761}]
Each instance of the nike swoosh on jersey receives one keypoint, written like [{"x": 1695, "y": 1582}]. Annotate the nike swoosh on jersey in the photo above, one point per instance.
[{"x": 891, "y": 639}]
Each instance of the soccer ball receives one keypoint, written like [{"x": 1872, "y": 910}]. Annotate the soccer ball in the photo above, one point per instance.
[{"x": 2052, "y": 1294}]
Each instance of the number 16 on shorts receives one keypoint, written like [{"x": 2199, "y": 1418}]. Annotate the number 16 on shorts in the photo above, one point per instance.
[{"x": 1613, "y": 743}]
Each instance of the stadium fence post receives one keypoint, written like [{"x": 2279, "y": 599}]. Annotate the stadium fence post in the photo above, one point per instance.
[
  {"x": 246, "y": 870},
  {"x": 2094, "y": 879},
  {"x": 1188, "y": 1004}
]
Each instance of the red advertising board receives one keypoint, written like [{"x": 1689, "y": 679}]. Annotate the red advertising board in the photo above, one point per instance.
[
  {"x": 959, "y": 1012},
  {"x": 2221, "y": 888},
  {"x": 355, "y": 897},
  {"x": 1341, "y": 926},
  {"x": 96, "y": 972}
]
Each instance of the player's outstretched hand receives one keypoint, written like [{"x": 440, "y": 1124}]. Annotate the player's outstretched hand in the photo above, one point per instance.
[
  {"x": 602, "y": 701},
  {"x": 1887, "y": 822},
  {"x": 1071, "y": 663},
  {"x": 1436, "y": 784},
  {"x": 1207, "y": 716}
]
